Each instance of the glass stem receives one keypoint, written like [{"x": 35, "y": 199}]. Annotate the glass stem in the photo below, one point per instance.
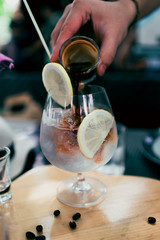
[
  {"x": 80, "y": 177},
  {"x": 81, "y": 184}
]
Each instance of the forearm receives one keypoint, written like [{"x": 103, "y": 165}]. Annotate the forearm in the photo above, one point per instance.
[{"x": 145, "y": 7}]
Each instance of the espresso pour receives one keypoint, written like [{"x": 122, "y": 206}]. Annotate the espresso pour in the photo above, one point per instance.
[{"x": 79, "y": 56}]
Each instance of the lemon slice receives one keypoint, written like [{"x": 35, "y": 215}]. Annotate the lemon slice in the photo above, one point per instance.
[
  {"x": 93, "y": 131},
  {"x": 57, "y": 83}
]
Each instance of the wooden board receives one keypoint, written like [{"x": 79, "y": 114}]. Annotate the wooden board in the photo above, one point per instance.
[{"x": 122, "y": 215}]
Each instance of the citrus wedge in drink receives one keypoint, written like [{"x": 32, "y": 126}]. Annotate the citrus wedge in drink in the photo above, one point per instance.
[
  {"x": 93, "y": 130},
  {"x": 57, "y": 83}
]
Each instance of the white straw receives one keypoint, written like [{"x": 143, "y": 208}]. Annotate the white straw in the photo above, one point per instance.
[{"x": 37, "y": 28}]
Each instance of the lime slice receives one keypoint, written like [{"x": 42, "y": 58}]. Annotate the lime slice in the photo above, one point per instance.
[
  {"x": 93, "y": 131},
  {"x": 57, "y": 83}
]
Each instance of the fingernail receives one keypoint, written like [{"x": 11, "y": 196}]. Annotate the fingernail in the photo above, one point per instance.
[{"x": 102, "y": 69}]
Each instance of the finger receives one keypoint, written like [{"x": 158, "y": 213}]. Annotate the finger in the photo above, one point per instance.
[
  {"x": 70, "y": 26},
  {"x": 57, "y": 29},
  {"x": 107, "y": 54}
]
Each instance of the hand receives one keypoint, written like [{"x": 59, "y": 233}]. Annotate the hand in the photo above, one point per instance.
[{"x": 110, "y": 24}]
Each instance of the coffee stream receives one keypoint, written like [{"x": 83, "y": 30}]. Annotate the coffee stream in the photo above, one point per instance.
[
  {"x": 78, "y": 79},
  {"x": 76, "y": 72},
  {"x": 78, "y": 58}
]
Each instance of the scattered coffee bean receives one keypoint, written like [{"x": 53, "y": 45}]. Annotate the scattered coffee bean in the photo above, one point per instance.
[
  {"x": 151, "y": 220},
  {"x": 40, "y": 237},
  {"x": 72, "y": 225},
  {"x": 56, "y": 213},
  {"x": 76, "y": 216},
  {"x": 39, "y": 228},
  {"x": 30, "y": 235}
]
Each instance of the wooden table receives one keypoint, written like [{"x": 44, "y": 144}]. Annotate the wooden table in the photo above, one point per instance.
[{"x": 122, "y": 215}]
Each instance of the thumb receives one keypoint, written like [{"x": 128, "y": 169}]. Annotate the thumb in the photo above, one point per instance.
[{"x": 107, "y": 54}]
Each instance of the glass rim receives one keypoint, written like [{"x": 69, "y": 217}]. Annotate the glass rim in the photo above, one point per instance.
[
  {"x": 98, "y": 89},
  {"x": 7, "y": 152},
  {"x": 83, "y": 38}
]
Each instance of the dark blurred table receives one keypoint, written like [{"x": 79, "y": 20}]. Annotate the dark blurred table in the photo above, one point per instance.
[
  {"x": 136, "y": 163},
  {"x": 134, "y": 96}
]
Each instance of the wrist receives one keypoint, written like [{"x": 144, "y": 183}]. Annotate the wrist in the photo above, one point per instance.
[
  {"x": 132, "y": 9},
  {"x": 136, "y": 4}
]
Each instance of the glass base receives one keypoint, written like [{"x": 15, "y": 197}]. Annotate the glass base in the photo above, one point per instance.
[
  {"x": 5, "y": 197},
  {"x": 81, "y": 192}
]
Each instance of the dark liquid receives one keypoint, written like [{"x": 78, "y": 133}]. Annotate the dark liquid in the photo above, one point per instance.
[
  {"x": 79, "y": 57},
  {"x": 2, "y": 153},
  {"x": 76, "y": 71},
  {"x": 5, "y": 190},
  {"x": 79, "y": 67}
]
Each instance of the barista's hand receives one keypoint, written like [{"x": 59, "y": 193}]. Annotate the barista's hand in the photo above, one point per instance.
[{"x": 110, "y": 23}]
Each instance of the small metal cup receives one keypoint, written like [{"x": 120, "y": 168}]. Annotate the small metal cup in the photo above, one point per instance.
[{"x": 79, "y": 55}]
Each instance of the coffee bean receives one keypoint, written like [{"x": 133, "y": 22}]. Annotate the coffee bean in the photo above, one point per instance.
[
  {"x": 39, "y": 228},
  {"x": 40, "y": 237},
  {"x": 56, "y": 213},
  {"x": 76, "y": 216},
  {"x": 30, "y": 235},
  {"x": 72, "y": 225},
  {"x": 151, "y": 220}
]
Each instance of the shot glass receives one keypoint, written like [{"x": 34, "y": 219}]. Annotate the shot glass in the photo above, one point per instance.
[
  {"x": 116, "y": 166},
  {"x": 5, "y": 179},
  {"x": 79, "y": 55}
]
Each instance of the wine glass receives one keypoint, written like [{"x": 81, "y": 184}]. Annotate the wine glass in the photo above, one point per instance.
[{"x": 59, "y": 144}]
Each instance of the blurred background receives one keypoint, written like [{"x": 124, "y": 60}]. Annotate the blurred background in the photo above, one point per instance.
[
  {"x": 132, "y": 81},
  {"x": 22, "y": 92}
]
